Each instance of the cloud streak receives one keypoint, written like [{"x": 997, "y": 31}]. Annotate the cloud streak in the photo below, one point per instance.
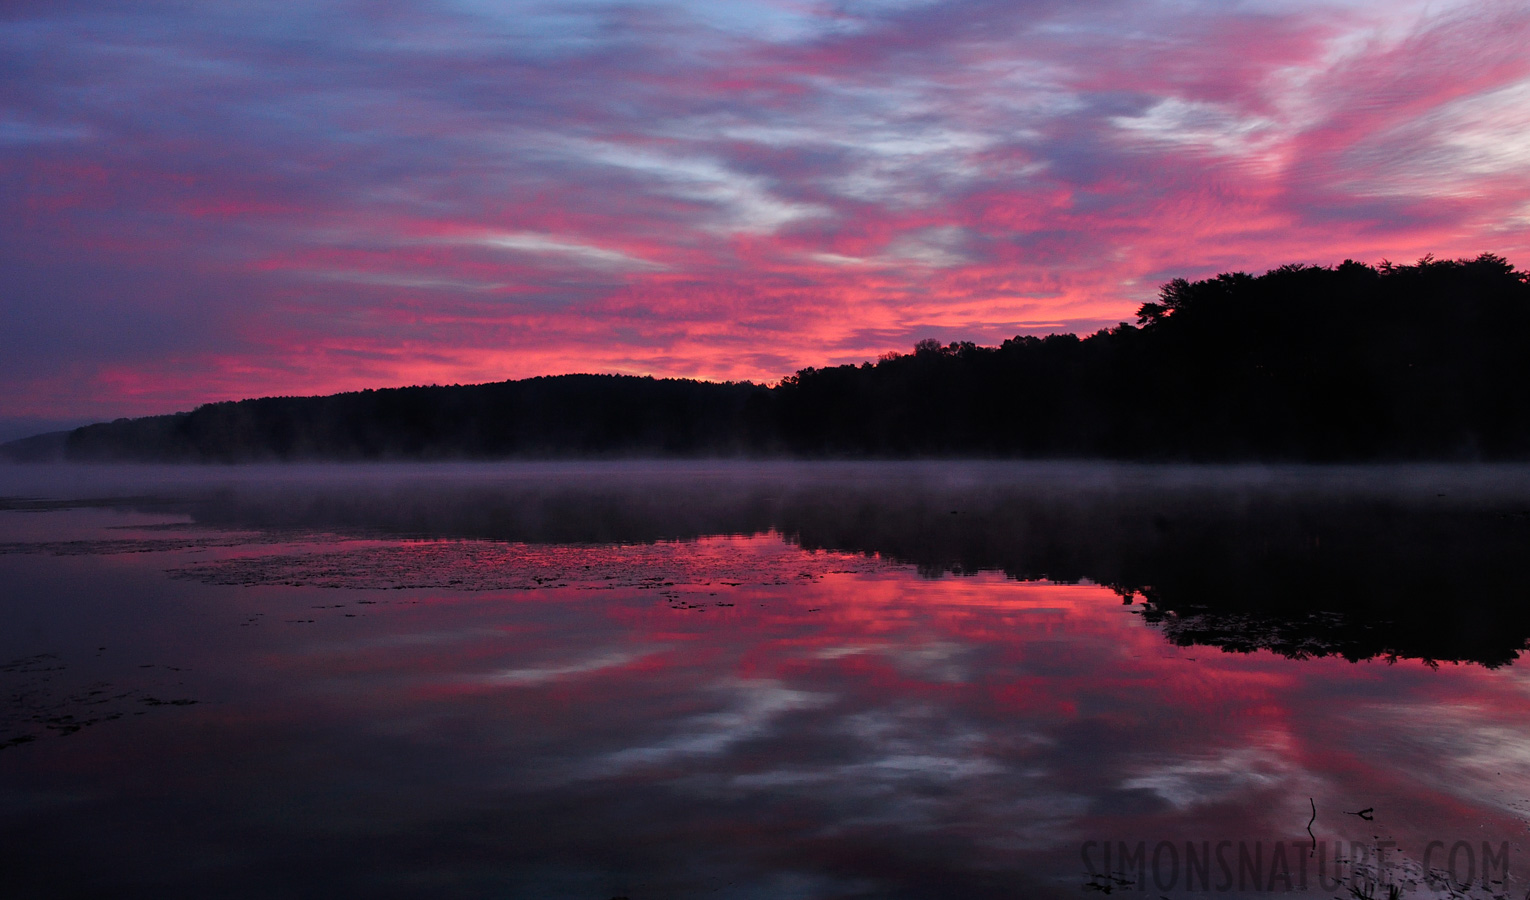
[{"x": 201, "y": 203}]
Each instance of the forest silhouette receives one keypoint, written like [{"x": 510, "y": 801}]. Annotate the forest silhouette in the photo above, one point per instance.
[{"x": 1304, "y": 363}]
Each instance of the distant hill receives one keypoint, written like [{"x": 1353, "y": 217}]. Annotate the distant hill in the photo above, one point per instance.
[
  {"x": 1315, "y": 363},
  {"x": 566, "y": 415},
  {"x": 48, "y": 447}
]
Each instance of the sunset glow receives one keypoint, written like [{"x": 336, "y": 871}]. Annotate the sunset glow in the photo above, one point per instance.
[{"x": 202, "y": 202}]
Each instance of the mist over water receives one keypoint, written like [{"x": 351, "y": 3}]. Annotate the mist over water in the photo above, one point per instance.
[{"x": 729, "y": 679}]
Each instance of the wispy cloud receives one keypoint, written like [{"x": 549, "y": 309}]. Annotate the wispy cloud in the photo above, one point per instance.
[
  {"x": 541, "y": 244},
  {"x": 20, "y": 131},
  {"x": 387, "y": 279},
  {"x": 334, "y": 196}
]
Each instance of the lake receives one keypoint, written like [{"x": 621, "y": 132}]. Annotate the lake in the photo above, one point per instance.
[{"x": 785, "y": 680}]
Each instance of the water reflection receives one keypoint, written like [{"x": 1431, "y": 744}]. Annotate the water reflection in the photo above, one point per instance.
[
  {"x": 1360, "y": 563},
  {"x": 647, "y": 686}
]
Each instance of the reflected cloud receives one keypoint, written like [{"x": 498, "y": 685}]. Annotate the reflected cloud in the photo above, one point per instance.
[
  {"x": 1356, "y": 563},
  {"x": 753, "y": 709},
  {"x": 737, "y": 705},
  {"x": 1229, "y": 775},
  {"x": 585, "y": 666}
]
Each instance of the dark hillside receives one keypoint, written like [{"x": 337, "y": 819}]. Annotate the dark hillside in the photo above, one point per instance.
[
  {"x": 573, "y": 415},
  {"x": 1303, "y": 363}
]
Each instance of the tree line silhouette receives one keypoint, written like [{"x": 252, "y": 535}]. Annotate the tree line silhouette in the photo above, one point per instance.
[
  {"x": 1316, "y": 363},
  {"x": 1304, "y": 362}
]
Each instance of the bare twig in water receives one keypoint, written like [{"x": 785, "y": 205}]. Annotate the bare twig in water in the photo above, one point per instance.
[
  {"x": 1310, "y": 821},
  {"x": 1364, "y": 813}
]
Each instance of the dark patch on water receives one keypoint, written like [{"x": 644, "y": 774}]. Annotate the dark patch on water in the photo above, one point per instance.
[
  {"x": 41, "y": 699},
  {"x": 492, "y": 566}
]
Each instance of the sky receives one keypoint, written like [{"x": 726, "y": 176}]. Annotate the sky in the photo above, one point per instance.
[{"x": 204, "y": 201}]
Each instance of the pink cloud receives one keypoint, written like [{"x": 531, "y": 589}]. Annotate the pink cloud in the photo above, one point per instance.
[{"x": 422, "y": 197}]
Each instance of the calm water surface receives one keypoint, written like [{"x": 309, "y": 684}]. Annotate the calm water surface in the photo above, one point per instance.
[{"x": 936, "y": 680}]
